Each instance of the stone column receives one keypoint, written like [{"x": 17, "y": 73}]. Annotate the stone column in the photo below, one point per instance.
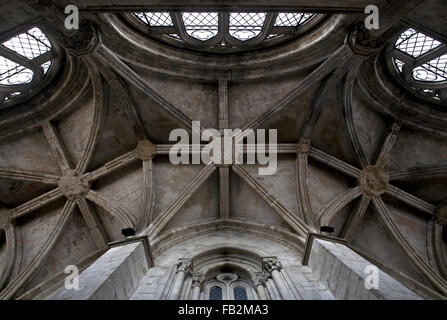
[
  {"x": 273, "y": 267},
  {"x": 183, "y": 268},
  {"x": 259, "y": 282},
  {"x": 197, "y": 280}
]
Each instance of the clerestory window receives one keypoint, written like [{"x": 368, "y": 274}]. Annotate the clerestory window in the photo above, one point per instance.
[
  {"x": 25, "y": 60},
  {"x": 228, "y": 286},
  {"x": 222, "y": 32},
  {"x": 421, "y": 62}
]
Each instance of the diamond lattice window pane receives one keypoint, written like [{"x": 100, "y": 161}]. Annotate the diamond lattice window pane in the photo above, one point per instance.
[
  {"x": 245, "y": 26},
  {"x": 12, "y": 73},
  {"x": 240, "y": 293},
  {"x": 416, "y": 43},
  {"x": 435, "y": 70},
  {"x": 30, "y": 44},
  {"x": 155, "y": 19},
  {"x": 292, "y": 19},
  {"x": 201, "y": 25}
]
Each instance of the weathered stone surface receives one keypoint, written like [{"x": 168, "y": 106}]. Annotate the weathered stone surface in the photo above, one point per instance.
[
  {"x": 73, "y": 186},
  {"x": 345, "y": 273},
  {"x": 145, "y": 150},
  {"x": 441, "y": 214},
  {"x": 373, "y": 181}
]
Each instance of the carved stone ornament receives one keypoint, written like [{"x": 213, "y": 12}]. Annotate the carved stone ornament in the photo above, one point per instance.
[
  {"x": 360, "y": 41},
  {"x": 84, "y": 41},
  {"x": 259, "y": 279},
  {"x": 303, "y": 147},
  {"x": 73, "y": 186},
  {"x": 197, "y": 279},
  {"x": 184, "y": 265},
  {"x": 374, "y": 181},
  {"x": 270, "y": 264},
  {"x": 145, "y": 150}
]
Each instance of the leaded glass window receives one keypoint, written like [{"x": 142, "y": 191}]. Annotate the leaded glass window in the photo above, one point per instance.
[
  {"x": 25, "y": 59},
  {"x": 155, "y": 19},
  {"x": 245, "y": 25},
  {"x": 223, "y": 31},
  {"x": 201, "y": 25},
  {"x": 240, "y": 293},
  {"x": 215, "y": 293},
  {"x": 421, "y": 62},
  {"x": 285, "y": 19}
]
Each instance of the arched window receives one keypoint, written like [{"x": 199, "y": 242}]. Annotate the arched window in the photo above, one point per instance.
[
  {"x": 25, "y": 60},
  {"x": 240, "y": 293},
  {"x": 421, "y": 62},
  {"x": 228, "y": 286},
  {"x": 223, "y": 31},
  {"x": 215, "y": 293}
]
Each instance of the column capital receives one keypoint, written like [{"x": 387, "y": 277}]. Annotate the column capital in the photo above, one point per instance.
[
  {"x": 360, "y": 41},
  {"x": 259, "y": 278},
  {"x": 197, "y": 279},
  {"x": 84, "y": 41},
  {"x": 270, "y": 264},
  {"x": 184, "y": 265}
]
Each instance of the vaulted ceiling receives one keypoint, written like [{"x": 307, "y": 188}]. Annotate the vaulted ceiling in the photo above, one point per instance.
[{"x": 87, "y": 155}]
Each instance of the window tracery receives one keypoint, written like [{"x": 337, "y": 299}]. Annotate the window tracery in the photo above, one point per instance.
[
  {"x": 25, "y": 60},
  {"x": 228, "y": 286},
  {"x": 421, "y": 63},
  {"x": 223, "y": 32}
]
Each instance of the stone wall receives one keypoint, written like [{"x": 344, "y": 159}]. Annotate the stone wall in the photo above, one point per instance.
[{"x": 345, "y": 273}]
